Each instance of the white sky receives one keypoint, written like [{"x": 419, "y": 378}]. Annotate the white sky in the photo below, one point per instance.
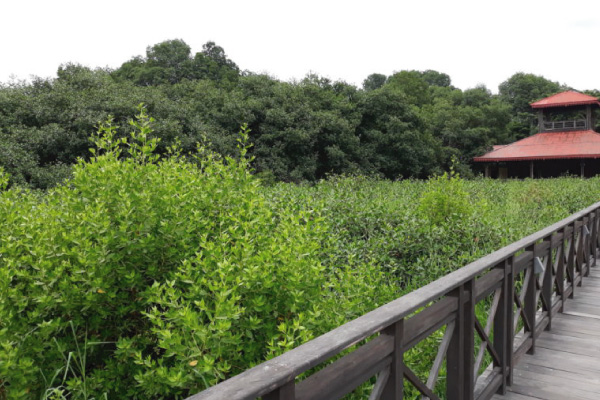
[{"x": 473, "y": 41}]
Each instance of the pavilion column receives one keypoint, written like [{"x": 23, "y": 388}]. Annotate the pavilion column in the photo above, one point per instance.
[
  {"x": 588, "y": 117},
  {"x": 531, "y": 169},
  {"x": 487, "y": 170},
  {"x": 582, "y": 169},
  {"x": 541, "y": 120}
]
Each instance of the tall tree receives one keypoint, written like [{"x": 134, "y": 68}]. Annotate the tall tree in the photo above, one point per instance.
[
  {"x": 519, "y": 91},
  {"x": 414, "y": 86},
  {"x": 435, "y": 78},
  {"x": 374, "y": 81}
]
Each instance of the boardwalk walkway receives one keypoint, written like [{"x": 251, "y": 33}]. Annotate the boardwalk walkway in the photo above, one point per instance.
[
  {"x": 566, "y": 364},
  {"x": 525, "y": 286}
]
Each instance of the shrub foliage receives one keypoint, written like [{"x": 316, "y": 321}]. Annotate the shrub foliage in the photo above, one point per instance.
[{"x": 170, "y": 273}]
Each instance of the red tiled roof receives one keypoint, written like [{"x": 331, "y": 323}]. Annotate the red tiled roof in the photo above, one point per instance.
[
  {"x": 569, "y": 98},
  {"x": 548, "y": 145}
]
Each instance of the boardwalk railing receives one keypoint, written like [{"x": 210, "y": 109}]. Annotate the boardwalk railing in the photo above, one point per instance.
[{"x": 521, "y": 287}]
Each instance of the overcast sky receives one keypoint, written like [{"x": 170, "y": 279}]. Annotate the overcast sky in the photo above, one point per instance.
[{"x": 475, "y": 42}]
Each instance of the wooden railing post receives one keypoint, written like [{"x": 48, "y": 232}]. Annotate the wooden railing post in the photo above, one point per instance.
[
  {"x": 503, "y": 330},
  {"x": 579, "y": 253},
  {"x": 594, "y": 238},
  {"x": 560, "y": 268},
  {"x": 591, "y": 247},
  {"x": 530, "y": 299},
  {"x": 571, "y": 258},
  {"x": 285, "y": 392},
  {"x": 547, "y": 284},
  {"x": 587, "y": 243},
  {"x": 394, "y": 388},
  {"x": 460, "y": 382}
]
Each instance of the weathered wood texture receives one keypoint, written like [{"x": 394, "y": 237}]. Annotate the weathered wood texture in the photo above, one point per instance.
[
  {"x": 566, "y": 364},
  {"x": 499, "y": 308}
]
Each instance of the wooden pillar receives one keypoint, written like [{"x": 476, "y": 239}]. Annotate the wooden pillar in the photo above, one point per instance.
[
  {"x": 541, "y": 120},
  {"x": 487, "y": 171},
  {"x": 460, "y": 380},
  {"x": 531, "y": 169},
  {"x": 588, "y": 117},
  {"x": 503, "y": 326},
  {"x": 394, "y": 388},
  {"x": 582, "y": 169},
  {"x": 530, "y": 304}
]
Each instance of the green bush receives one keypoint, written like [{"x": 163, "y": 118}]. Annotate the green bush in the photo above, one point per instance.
[
  {"x": 168, "y": 275},
  {"x": 446, "y": 200}
]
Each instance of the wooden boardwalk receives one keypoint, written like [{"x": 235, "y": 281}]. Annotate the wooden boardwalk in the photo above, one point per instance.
[
  {"x": 566, "y": 363},
  {"x": 526, "y": 287}
]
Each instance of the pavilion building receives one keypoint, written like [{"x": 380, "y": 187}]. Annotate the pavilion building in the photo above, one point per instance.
[{"x": 566, "y": 143}]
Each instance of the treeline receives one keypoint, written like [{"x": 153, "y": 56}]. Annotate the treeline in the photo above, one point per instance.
[{"x": 409, "y": 124}]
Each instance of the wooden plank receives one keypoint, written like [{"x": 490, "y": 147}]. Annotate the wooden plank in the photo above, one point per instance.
[
  {"x": 380, "y": 384},
  {"x": 542, "y": 390},
  {"x": 577, "y": 324},
  {"x": 440, "y": 356},
  {"x": 494, "y": 383},
  {"x": 570, "y": 345},
  {"x": 488, "y": 283},
  {"x": 559, "y": 359},
  {"x": 349, "y": 372},
  {"x": 514, "y": 396},
  {"x": 587, "y": 335},
  {"x": 541, "y": 249},
  {"x": 554, "y": 373},
  {"x": 432, "y": 318},
  {"x": 522, "y": 260},
  {"x": 522, "y": 348},
  {"x": 582, "y": 308}
]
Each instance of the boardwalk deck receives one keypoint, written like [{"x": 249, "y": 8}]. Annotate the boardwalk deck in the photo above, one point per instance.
[{"x": 566, "y": 363}]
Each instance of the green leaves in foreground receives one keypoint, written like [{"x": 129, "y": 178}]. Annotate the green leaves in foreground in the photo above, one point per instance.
[{"x": 179, "y": 269}]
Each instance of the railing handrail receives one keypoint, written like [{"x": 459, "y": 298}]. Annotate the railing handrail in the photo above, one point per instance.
[{"x": 266, "y": 377}]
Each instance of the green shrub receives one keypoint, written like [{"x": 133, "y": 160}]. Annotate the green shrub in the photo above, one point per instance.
[
  {"x": 174, "y": 274},
  {"x": 445, "y": 200}
]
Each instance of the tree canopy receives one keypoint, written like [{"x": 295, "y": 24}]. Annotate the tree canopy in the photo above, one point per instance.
[{"x": 409, "y": 124}]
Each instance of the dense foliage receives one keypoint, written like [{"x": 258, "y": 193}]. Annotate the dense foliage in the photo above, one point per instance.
[
  {"x": 154, "y": 277},
  {"x": 409, "y": 124}
]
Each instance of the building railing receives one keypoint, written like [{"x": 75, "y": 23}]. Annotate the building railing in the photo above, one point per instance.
[
  {"x": 577, "y": 124},
  {"x": 522, "y": 286}
]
